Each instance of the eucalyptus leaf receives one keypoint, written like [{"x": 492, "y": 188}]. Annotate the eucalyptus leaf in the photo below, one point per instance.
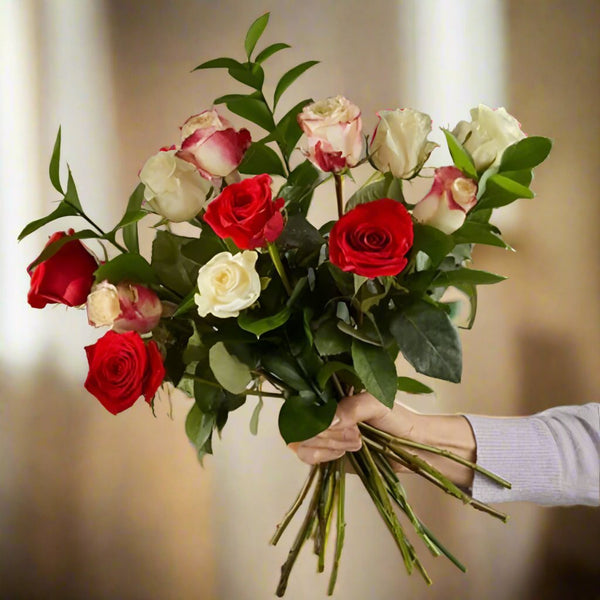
[
  {"x": 54, "y": 168},
  {"x": 288, "y": 78},
  {"x": 199, "y": 428},
  {"x": 228, "y": 370},
  {"x": 376, "y": 370},
  {"x": 301, "y": 418},
  {"x": 254, "y": 32},
  {"x": 428, "y": 340}
]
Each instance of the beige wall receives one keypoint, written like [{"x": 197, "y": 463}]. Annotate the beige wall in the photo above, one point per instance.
[{"x": 97, "y": 506}]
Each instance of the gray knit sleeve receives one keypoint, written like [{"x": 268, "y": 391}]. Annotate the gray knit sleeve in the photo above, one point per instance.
[{"x": 551, "y": 458}]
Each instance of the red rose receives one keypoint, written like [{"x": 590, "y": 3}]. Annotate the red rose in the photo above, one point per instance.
[
  {"x": 123, "y": 368},
  {"x": 246, "y": 213},
  {"x": 65, "y": 278},
  {"x": 372, "y": 239}
]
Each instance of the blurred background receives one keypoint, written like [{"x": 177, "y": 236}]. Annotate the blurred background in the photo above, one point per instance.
[{"x": 101, "y": 507}]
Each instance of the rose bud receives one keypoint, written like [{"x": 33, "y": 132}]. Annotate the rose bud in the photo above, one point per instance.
[
  {"x": 64, "y": 278},
  {"x": 174, "y": 188},
  {"x": 246, "y": 213},
  {"x": 125, "y": 307},
  {"x": 333, "y": 129},
  {"x": 372, "y": 239},
  {"x": 227, "y": 284},
  {"x": 451, "y": 197},
  {"x": 488, "y": 134},
  {"x": 399, "y": 144},
  {"x": 122, "y": 368},
  {"x": 209, "y": 142}
]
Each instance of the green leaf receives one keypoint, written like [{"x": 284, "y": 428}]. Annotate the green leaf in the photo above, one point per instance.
[
  {"x": 386, "y": 187},
  {"x": 412, "y": 386},
  {"x": 71, "y": 196},
  {"x": 298, "y": 190},
  {"x": 358, "y": 334},
  {"x": 261, "y": 159},
  {"x": 269, "y": 51},
  {"x": 471, "y": 292},
  {"x": 234, "y": 97},
  {"x": 376, "y": 370},
  {"x": 126, "y": 267},
  {"x": 525, "y": 154},
  {"x": 172, "y": 267},
  {"x": 428, "y": 340},
  {"x": 228, "y": 370},
  {"x": 329, "y": 339},
  {"x": 435, "y": 243},
  {"x": 300, "y": 233},
  {"x": 478, "y": 233},
  {"x": 285, "y": 368},
  {"x": 204, "y": 248},
  {"x": 254, "y": 110},
  {"x": 130, "y": 230},
  {"x": 329, "y": 368},
  {"x": 301, "y": 418},
  {"x": 288, "y": 131},
  {"x": 255, "y": 416},
  {"x": 62, "y": 210},
  {"x": 524, "y": 177},
  {"x": 469, "y": 276},
  {"x": 54, "y": 168},
  {"x": 219, "y": 63},
  {"x": 514, "y": 187},
  {"x": 288, "y": 78},
  {"x": 199, "y": 427},
  {"x": 462, "y": 159},
  {"x": 261, "y": 325},
  {"x": 254, "y": 33},
  {"x": 249, "y": 74},
  {"x": 54, "y": 247},
  {"x": 186, "y": 304}
]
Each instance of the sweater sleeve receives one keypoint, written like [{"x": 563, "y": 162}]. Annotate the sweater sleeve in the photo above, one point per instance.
[{"x": 551, "y": 458}]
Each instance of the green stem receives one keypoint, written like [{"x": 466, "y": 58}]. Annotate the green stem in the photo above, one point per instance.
[
  {"x": 276, "y": 258},
  {"x": 244, "y": 393},
  {"x": 339, "y": 193},
  {"x": 340, "y": 492}
]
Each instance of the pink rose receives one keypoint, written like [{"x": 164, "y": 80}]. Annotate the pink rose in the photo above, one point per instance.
[
  {"x": 124, "y": 307},
  {"x": 451, "y": 197},
  {"x": 333, "y": 129},
  {"x": 209, "y": 142}
]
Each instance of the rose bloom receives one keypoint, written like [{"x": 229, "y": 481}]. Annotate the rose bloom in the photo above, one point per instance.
[
  {"x": 488, "y": 134},
  {"x": 174, "y": 188},
  {"x": 64, "y": 278},
  {"x": 399, "y": 144},
  {"x": 246, "y": 213},
  {"x": 451, "y": 197},
  {"x": 227, "y": 284},
  {"x": 333, "y": 129},
  {"x": 122, "y": 368},
  {"x": 124, "y": 307},
  {"x": 210, "y": 143},
  {"x": 372, "y": 239}
]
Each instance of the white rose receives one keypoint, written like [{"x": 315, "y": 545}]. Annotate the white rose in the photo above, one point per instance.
[
  {"x": 103, "y": 305},
  {"x": 488, "y": 134},
  {"x": 333, "y": 129},
  {"x": 174, "y": 187},
  {"x": 399, "y": 145},
  {"x": 451, "y": 197},
  {"x": 227, "y": 284}
]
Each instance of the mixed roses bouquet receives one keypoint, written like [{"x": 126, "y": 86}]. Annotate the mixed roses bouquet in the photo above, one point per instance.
[{"x": 259, "y": 295}]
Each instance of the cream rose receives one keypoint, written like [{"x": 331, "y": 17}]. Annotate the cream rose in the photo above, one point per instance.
[
  {"x": 333, "y": 129},
  {"x": 399, "y": 144},
  {"x": 451, "y": 197},
  {"x": 174, "y": 187},
  {"x": 103, "y": 305},
  {"x": 488, "y": 134},
  {"x": 227, "y": 284}
]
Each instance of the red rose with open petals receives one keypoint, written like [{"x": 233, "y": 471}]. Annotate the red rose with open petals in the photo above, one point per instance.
[
  {"x": 123, "y": 368},
  {"x": 64, "y": 278},
  {"x": 372, "y": 239},
  {"x": 246, "y": 213}
]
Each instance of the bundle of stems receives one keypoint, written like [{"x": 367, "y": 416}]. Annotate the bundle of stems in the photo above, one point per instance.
[{"x": 373, "y": 465}]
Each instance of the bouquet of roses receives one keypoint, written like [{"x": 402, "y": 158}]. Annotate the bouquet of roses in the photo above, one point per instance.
[{"x": 259, "y": 295}]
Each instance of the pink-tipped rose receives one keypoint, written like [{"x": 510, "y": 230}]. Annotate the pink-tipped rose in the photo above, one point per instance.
[
  {"x": 451, "y": 197},
  {"x": 124, "y": 307},
  {"x": 333, "y": 129},
  {"x": 209, "y": 142}
]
